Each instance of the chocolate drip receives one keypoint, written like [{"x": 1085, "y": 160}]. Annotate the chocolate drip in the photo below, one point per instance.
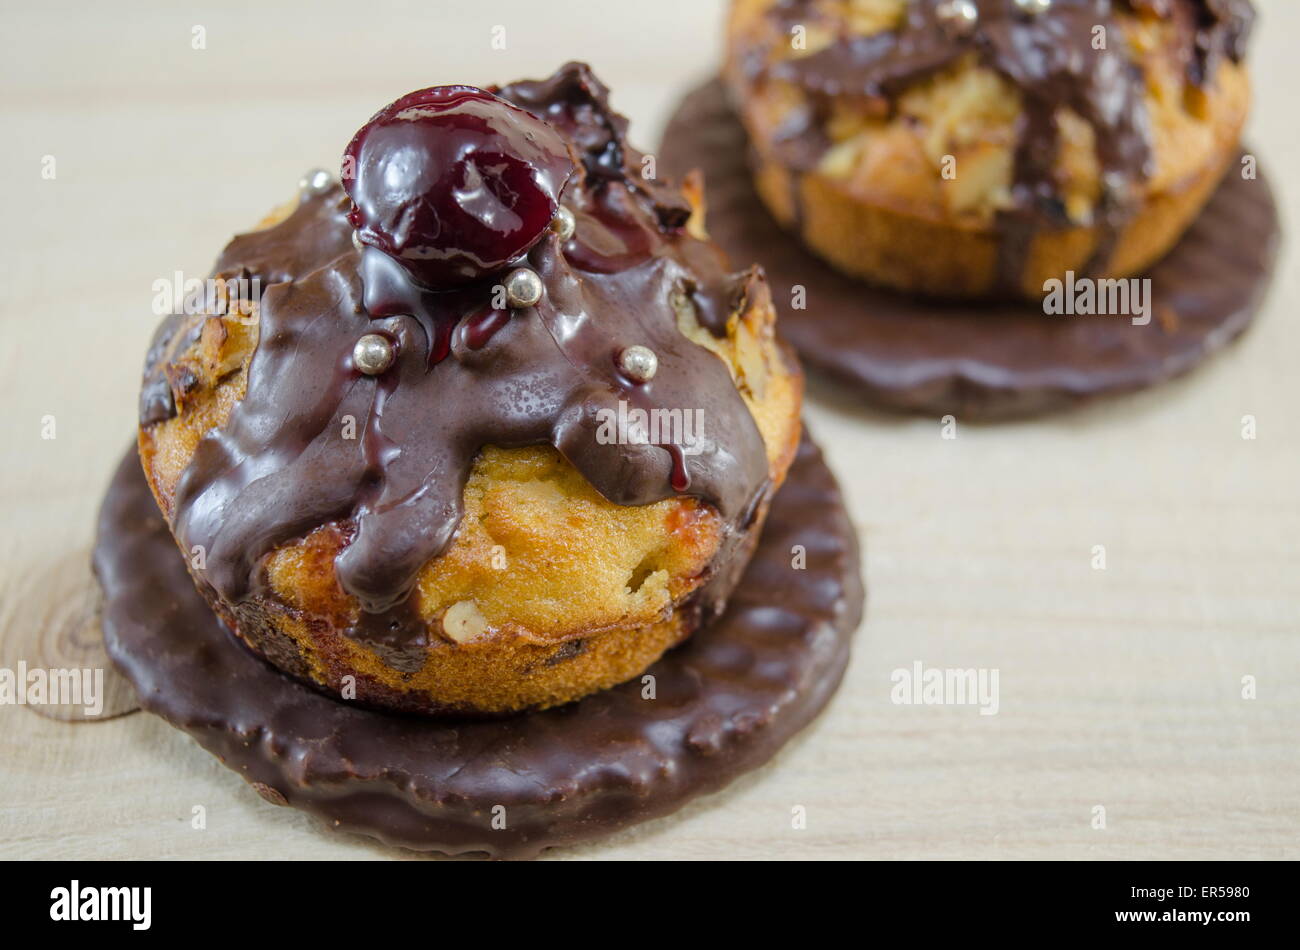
[
  {"x": 156, "y": 399},
  {"x": 314, "y": 235},
  {"x": 1222, "y": 29},
  {"x": 577, "y": 103},
  {"x": 465, "y": 376},
  {"x": 1049, "y": 57},
  {"x": 273, "y": 255}
]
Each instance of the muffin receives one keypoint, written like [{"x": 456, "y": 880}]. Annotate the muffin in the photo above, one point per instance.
[
  {"x": 496, "y": 428},
  {"x": 977, "y": 148}
]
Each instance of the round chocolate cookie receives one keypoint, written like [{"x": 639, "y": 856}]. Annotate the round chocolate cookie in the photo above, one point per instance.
[
  {"x": 982, "y": 360},
  {"x": 719, "y": 705}
]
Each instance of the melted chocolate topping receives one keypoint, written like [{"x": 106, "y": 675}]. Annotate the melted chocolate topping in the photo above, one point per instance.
[
  {"x": 1049, "y": 57},
  {"x": 465, "y": 375}
]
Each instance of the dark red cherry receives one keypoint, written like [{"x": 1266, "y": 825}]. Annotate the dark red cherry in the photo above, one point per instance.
[{"x": 454, "y": 182}]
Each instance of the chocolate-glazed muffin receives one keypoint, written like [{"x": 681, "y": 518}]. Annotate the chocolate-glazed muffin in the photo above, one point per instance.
[
  {"x": 501, "y": 427},
  {"x": 971, "y": 148}
]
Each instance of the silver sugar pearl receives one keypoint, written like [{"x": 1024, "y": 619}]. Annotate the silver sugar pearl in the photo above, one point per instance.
[
  {"x": 356, "y": 241},
  {"x": 638, "y": 363},
  {"x": 563, "y": 223},
  {"x": 523, "y": 288},
  {"x": 962, "y": 15},
  {"x": 1118, "y": 189},
  {"x": 373, "y": 354},
  {"x": 315, "y": 182},
  {"x": 1034, "y": 6}
]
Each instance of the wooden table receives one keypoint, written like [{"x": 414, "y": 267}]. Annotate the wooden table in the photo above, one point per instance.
[{"x": 1119, "y": 687}]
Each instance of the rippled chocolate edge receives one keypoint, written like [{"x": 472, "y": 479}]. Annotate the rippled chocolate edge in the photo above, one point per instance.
[{"x": 726, "y": 701}]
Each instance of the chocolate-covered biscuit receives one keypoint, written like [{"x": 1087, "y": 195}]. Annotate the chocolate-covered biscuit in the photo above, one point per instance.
[{"x": 721, "y": 704}]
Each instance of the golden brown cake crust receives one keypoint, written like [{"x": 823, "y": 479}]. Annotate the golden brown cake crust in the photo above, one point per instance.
[{"x": 908, "y": 194}]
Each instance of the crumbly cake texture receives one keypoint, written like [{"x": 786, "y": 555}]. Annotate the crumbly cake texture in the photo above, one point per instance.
[
  {"x": 546, "y": 592},
  {"x": 907, "y": 185}
]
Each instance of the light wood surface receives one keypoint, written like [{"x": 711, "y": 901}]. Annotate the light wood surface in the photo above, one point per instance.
[{"x": 1119, "y": 687}]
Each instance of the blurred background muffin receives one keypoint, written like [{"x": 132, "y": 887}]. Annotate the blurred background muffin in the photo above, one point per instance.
[{"x": 970, "y": 148}]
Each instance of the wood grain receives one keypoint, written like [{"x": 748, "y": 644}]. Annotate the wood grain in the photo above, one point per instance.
[
  {"x": 1119, "y": 687},
  {"x": 50, "y": 619}
]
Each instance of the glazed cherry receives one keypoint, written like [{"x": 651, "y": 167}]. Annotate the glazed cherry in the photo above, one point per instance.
[{"x": 454, "y": 183}]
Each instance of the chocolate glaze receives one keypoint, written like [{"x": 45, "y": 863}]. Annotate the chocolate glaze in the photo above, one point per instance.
[
  {"x": 1049, "y": 58},
  {"x": 173, "y": 335},
  {"x": 984, "y": 360},
  {"x": 725, "y": 701},
  {"x": 465, "y": 376}
]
